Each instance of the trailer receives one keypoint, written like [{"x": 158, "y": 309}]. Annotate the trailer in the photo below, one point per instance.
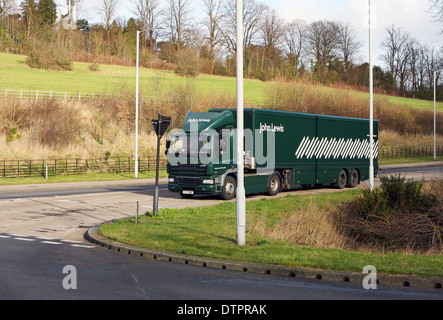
[{"x": 282, "y": 150}]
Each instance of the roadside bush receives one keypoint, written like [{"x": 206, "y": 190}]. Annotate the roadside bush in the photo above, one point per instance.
[
  {"x": 43, "y": 55},
  {"x": 399, "y": 215}
]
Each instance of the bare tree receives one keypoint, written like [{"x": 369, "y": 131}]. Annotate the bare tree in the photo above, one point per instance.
[
  {"x": 179, "y": 15},
  {"x": 214, "y": 15},
  {"x": 272, "y": 30},
  {"x": 149, "y": 15},
  {"x": 294, "y": 43},
  {"x": 435, "y": 9},
  {"x": 252, "y": 14},
  {"x": 396, "y": 54},
  {"x": 107, "y": 11},
  {"x": 323, "y": 38},
  {"x": 348, "y": 45}
]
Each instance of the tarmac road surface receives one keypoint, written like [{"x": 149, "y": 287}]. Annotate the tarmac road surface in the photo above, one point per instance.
[{"x": 42, "y": 228}]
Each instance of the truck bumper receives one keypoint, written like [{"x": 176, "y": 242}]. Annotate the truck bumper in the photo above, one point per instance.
[{"x": 199, "y": 189}]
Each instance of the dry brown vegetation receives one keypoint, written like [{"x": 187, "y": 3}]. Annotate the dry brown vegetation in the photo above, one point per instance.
[
  {"x": 90, "y": 129},
  {"x": 87, "y": 129},
  {"x": 401, "y": 216},
  {"x": 304, "y": 97}
]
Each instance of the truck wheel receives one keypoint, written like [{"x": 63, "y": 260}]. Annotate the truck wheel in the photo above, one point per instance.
[
  {"x": 353, "y": 179},
  {"x": 229, "y": 188},
  {"x": 342, "y": 180},
  {"x": 274, "y": 184}
]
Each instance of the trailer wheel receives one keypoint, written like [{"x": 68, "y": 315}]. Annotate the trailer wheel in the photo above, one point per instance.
[
  {"x": 229, "y": 188},
  {"x": 274, "y": 184},
  {"x": 353, "y": 179},
  {"x": 342, "y": 179}
]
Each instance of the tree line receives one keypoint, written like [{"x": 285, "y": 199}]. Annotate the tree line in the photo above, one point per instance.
[{"x": 193, "y": 36}]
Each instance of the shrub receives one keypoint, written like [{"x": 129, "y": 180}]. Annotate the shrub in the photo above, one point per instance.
[
  {"x": 397, "y": 216},
  {"x": 43, "y": 55},
  {"x": 187, "y": 63},
  {"x": 94, "y": 67}
]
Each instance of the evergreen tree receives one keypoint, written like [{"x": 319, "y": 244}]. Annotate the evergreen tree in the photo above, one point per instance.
[{"x": 47, "y": 11}]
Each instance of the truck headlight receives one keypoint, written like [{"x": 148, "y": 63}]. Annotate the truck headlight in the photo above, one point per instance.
[
  {"x": 208, "y": 181},
  {"x": 170, "y": 180}
]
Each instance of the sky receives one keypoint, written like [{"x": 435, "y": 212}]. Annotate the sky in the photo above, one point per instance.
[{"x": 410, "y": 15}]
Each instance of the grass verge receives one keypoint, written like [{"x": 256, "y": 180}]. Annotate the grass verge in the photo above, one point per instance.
[
  {"x": 81, "y": 178},
  {"x": 211, "y": 232}
]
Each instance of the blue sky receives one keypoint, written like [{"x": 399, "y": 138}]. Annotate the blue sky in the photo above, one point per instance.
[{"x": 410, "y": 15}]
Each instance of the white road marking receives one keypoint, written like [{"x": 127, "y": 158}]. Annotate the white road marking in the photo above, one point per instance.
[
  {"x": 51, "y": 242},
  {"x": 24, "y": 239},
  {"x": 82, "y": 246}
]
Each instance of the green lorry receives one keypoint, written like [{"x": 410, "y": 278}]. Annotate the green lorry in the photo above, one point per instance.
[{"x": 281, "y": 150}]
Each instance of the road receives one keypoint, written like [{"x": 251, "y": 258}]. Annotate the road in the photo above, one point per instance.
[{"x": 41, "y": 232}]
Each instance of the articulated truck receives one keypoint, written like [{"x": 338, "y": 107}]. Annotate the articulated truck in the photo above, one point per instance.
[{"x": 282, "y": 150}]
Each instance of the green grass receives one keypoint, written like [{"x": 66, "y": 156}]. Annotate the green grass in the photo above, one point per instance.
[
  {"x": 80, "y": 178},
  {"x": 410, "y": 160},
  {"x": 211, "y": 232},
  {"x": 15, "y": 74}
]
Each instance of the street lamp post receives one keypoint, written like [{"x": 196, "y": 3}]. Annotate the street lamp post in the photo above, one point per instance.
[
  {"x": 371, "y": 107},
  {"x": 240, "y": 196},
  {"x": 435, "y": 115},
  {"x": 136, "y": 104},
  {"x": 137, "y": 98}
]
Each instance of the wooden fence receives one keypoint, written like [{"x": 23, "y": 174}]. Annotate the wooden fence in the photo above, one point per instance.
[
  {"x": 405, "y": 152},
  {"x": 54, "y": 167},
  {"x": 37, "y": 168},
  {"x": 36, "y": 95}
]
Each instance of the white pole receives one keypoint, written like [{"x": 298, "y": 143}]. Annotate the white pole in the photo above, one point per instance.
[
  {"x": 371, "y": 107},
  {"x": 136, "y": 108},
  {"x": 241, "y": 199},
  {"x": 435, "y": 116}
]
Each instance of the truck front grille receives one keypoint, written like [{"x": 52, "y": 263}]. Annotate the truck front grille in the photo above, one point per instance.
[{"x": 188, "y": 180}]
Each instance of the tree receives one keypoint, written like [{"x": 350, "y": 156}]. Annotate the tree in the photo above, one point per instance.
[
  {"x": 107, "y": 12},
  {"x": 212, "y": 20},
  {"x": 178, "y": 21},
  {"x": 323, "y": 38},
  {"x": 47, "y": 12},
  {"x": 271, "y": 32},
  {"x": 28, "y": 11},
  {"x": 149, "y": 14},
  {"x": 294, "y": 44},
  {"x": 435, "y": 9},
  {"x": 348, "y": 45},
  {"x": 396, "y": 54}
]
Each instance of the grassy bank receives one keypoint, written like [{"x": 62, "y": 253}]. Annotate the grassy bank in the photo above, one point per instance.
[
  {"x": 211, "y": 232},
  {"x": 15, "y": 74}
]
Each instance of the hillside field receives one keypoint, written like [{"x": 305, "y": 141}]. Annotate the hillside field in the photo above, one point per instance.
[{"x": 16, "y": 75}]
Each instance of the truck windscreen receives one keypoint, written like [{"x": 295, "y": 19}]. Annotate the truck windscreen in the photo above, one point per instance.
[{"x": 192, "y": 146}]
